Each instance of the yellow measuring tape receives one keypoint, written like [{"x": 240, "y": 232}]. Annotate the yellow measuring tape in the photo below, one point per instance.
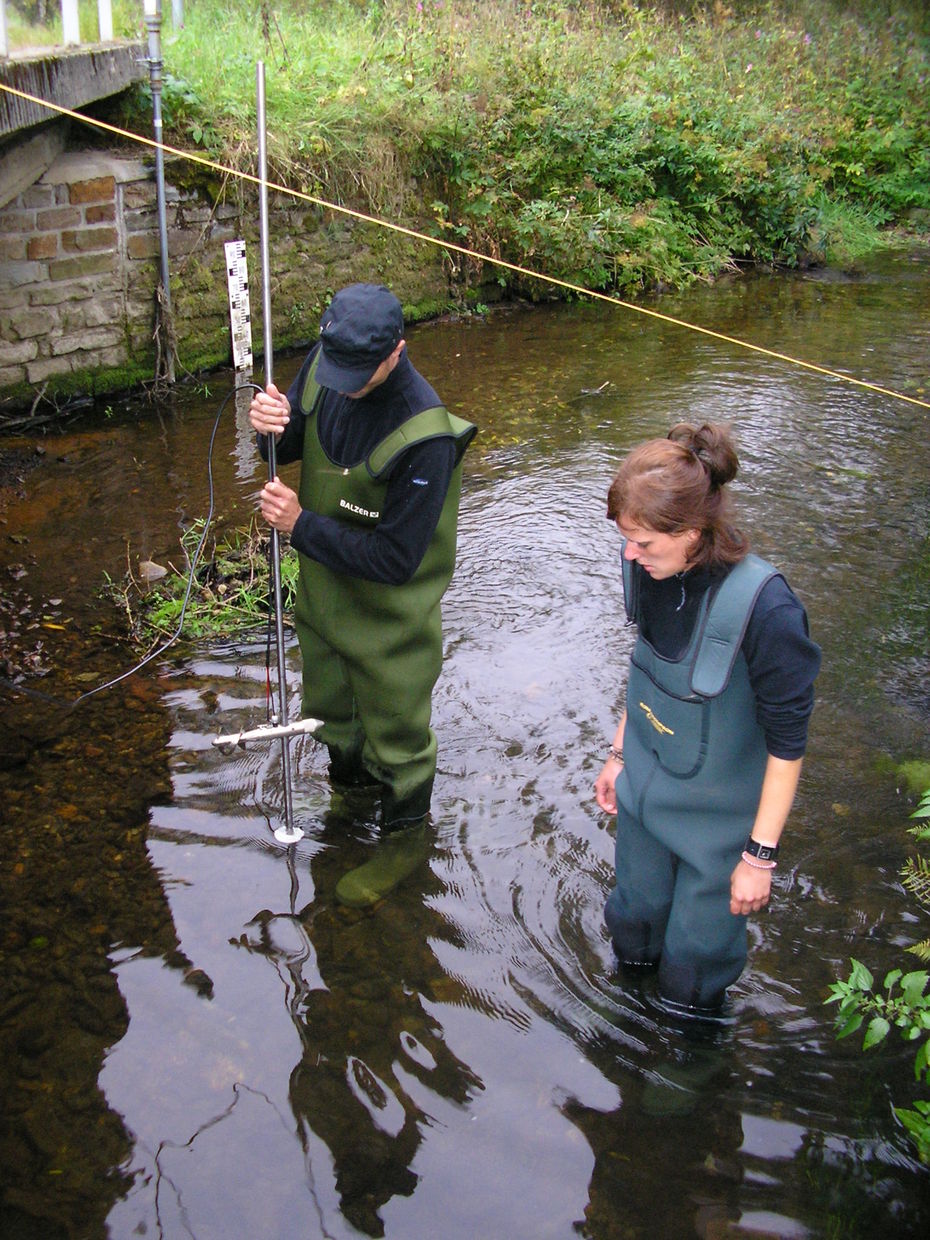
[{"x": 465, "y": 251}]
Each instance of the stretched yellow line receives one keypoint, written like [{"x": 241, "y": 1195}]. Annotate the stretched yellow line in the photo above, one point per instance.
[{"x": 467, "y": 253}]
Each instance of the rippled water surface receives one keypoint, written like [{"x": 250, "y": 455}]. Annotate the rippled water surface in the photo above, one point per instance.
[{"x": 199, "y": 1042}]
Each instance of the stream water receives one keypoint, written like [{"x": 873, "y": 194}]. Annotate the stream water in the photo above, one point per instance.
[{"x": 199, "y": 1042}]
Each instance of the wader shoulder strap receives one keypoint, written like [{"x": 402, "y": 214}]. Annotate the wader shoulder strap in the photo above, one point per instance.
[
  {"x": 630, "y": 585},
  {"x": 310, "y": 392},
  {"x": 725, "y": 625},
  {"x": 429, "y": 424}
]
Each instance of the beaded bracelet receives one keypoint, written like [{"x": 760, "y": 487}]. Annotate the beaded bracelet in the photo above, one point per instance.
[
  {"x": 759, "y": 865},
  {"x": 615, "y": 753}
]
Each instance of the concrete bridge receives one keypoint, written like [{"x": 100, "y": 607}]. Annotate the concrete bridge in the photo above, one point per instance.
[
  {"x": 31, "y": 136},
  {"x": 73, "y": 75},
  {"x": 63, "y": 234}
]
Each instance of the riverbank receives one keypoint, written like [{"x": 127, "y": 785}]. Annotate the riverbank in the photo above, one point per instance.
[
  {"x": 616, "y": 146},
  {"x": 602, "y": 146}
]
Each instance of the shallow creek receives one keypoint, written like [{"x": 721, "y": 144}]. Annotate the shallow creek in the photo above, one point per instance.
[{"x": 197, "y": 1041}]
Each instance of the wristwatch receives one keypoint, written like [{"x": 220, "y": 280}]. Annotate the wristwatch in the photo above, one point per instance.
[{"x": 765, "y": 852}]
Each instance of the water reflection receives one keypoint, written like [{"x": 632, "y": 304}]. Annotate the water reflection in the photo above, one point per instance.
[
  {"x": 367, "y": 1085},
  {"x": 75, "y": 878},
  {"x": 466, "y": 1057}
]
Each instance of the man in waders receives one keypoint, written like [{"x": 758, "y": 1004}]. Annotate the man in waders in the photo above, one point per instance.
[{"x": 374, "y": 525}]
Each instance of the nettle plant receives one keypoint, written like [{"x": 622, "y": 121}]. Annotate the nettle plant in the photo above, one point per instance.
[{"x": 903, "y": 1002}]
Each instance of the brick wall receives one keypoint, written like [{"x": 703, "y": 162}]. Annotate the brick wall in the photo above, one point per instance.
[
  {"x": 79, "y": 270},
  {"x": 65, "y": 294}
]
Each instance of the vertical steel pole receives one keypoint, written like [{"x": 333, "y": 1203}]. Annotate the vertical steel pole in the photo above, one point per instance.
[
  {"x": 153, "y": 25},
  {"x": 288, "y": 833}
]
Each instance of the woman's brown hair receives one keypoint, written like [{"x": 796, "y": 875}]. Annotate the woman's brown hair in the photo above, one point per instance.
[{"x": 678, "y": 483}]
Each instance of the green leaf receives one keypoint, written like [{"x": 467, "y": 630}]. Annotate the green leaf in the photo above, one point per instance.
[
  {"x": 913, "y": 986},
  {"x": 917, "y": 1123},
  {"x": 876, "y": 1032},
  {"x": 860, "y": 977},
  {"x": 850, "y": 1026},
  {"x": 838, "y": 991},
  {"x": 922, "y": 1060}
]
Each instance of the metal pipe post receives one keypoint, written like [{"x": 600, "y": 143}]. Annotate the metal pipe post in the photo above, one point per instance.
[
  {"x": 155, "y": 63},
  {"x": 288, "y": 833}
]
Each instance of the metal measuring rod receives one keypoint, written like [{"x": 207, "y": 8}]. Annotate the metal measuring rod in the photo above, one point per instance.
[{"x": 278, "y": 726}]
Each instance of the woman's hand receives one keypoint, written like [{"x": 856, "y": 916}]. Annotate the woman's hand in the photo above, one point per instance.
[
  {"x": 604, "y": 790},
  {"x": 270, "y": 411},
  {"x": 751, "y": 885},
  {"x": 750, "y": 888}
]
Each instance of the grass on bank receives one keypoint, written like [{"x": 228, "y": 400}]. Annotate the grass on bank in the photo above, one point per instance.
[
  {"x": 611, "y": 144},
  {"x": 615, "y": 145},
  {"x": 231, "y": 591}
]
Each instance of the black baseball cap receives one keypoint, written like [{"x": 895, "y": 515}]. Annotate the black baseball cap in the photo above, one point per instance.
[{"x": 361, "y": 326}]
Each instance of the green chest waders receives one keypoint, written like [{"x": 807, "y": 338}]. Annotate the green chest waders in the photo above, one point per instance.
[
  {"x": 687, "y": 797},
  {"x": 372, "y": 652}
]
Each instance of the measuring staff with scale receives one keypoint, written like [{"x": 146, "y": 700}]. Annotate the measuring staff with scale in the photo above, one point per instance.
[{"x": 278, "y": 725}]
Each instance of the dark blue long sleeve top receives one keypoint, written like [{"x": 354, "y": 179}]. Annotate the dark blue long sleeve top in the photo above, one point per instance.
[{"x": 349, "y": 429}]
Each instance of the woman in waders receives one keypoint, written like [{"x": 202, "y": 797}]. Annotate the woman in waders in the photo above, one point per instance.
[{"x": 704, "y": 765}]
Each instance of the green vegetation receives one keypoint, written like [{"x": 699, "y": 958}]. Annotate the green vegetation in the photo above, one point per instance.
[
  {"x": 613, "y": 145},
  {"x": 230, "y": 590},
  {"x": 905, "y": 1004}
]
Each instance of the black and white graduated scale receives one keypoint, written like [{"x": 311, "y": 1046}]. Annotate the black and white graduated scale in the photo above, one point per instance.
[{"x": 240, "y": 316}]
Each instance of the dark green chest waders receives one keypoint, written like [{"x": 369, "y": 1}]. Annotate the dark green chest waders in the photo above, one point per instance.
[
  {"x": 687, "y": 797},
  {"x": 372, "y": 652}
]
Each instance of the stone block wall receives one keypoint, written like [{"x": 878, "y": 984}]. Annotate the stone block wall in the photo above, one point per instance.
[
  {"x": 68, "y": 302},
  {"x": 79, "y": 270}
]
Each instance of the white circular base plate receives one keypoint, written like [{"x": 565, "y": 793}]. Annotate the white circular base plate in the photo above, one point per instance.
[{"x": 288, "y": 835}]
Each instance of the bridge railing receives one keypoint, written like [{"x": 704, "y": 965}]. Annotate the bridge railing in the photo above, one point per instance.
[{"x": 71, "y": 35}]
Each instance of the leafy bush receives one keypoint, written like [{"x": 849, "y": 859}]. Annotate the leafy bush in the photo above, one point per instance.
[
  {"x": 611, "y": 145},
  {"x": 905, "y": 1003}
]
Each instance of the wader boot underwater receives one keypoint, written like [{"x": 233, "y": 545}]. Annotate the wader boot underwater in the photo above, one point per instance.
[
  {"x": 395, "y": 858},
  {"x": 355, "y": 792},
  {"x": 687, "y": 798},
  {"x": 677, "y": 1087},
  {"x": 404, "y": 847}
]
